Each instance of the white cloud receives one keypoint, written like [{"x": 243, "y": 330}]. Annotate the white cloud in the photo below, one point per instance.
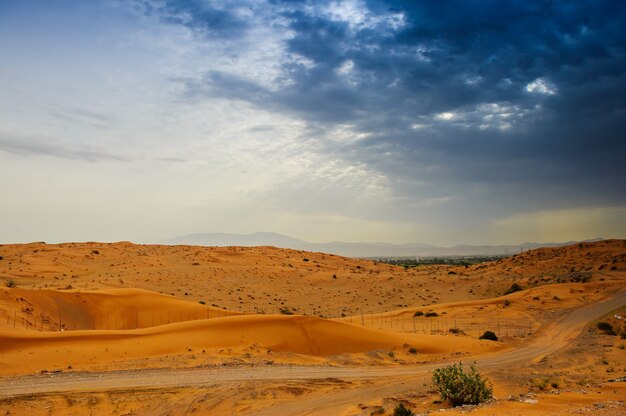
[
  {"x": 358, "y": 16},
  {"x": 541, "y": 86},
  {"x": 447, "y": 116}
]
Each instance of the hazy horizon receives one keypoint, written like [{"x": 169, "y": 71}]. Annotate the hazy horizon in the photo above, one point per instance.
[
  {"x": 484, "y": 123},
  {"x": 169, "y": 240}
]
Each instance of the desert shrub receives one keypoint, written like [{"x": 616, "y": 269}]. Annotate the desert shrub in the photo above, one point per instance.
[
  {"x": 400, "y": 410},
  {"x": 542, "y": 383},
  {"x": 201, "y": 302},
  {"x": 391, "y": 354},
  {"x": 418, "y": 313},
  {"x": 490, "y": 335},
  {"x": 431, "y": 314},
  {"x": 285, "y": 311},
  {"x": 506, "y": 302},
  {"x": 606, "y": 327},
  {"x": 413, "y": 350},
  {"x": 454, "y": 384},
  {"x": 514, "y": 288},
  {"x": 11, "y": 283},
  {"x": 622, "y": 335},
  {"x": 378, "y": 410},
  {"x": 455, "y": 330}
]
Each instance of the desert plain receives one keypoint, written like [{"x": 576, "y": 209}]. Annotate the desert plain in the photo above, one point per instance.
[{"x": 120, "y": 328}]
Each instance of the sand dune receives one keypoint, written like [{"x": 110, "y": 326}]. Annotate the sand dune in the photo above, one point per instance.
[
  {"x": 49, "y": 310},
  {"x": 25, "y": 351}
]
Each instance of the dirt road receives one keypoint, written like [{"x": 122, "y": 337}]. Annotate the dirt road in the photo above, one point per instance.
[{"x": 384, "y": 380}]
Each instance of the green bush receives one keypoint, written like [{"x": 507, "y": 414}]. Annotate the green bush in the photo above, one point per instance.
[
  {"x": 514, "y": 288},
  {"x": 490, "y": 335},
  {"x": 400, "y": 410},
  {"x": 11, "y": 283},
  {"x": 418, "y": 313},
  {"x": 454, "y": 384}
]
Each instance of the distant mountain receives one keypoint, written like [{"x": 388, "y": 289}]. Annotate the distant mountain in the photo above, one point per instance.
[
  {"x": 360, "y": 249},
  {"x": 246, "y": 240}
]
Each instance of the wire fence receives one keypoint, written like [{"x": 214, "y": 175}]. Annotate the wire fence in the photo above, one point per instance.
[{"x": 113, "y": 320}]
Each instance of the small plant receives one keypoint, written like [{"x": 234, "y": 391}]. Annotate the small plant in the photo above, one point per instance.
[
  {"x": 285, "y": 311},
  {"x": 431, "y": 314},
  {"x": 391, "y": 354},
  {"x": 455, "y": 330},
  {"x": 418, "y": 313},
  {"x": 413, "y": 350},
  {"x": 490, "y": 335},
  {"x": 201, "y": 302},
  {"x": 400, "y": 410},
  {"x": 622, "y": 335},
  {"x": 506, "y": 302},
  {"x": 454, "y": 384},
  {"x": 378, "y": 410},
  {"x": 540, "y": 383},
  {"x": 11, "y": 283},
  {"x": 514, "y": 288}
]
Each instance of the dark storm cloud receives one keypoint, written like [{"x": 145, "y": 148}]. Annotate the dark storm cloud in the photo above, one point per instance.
[{"x": 535, "y": 91}]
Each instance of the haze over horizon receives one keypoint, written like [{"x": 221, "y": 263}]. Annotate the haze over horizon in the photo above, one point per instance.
[{"x": 481, "y": 122}]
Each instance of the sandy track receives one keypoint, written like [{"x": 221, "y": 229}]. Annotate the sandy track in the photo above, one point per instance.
[{"x": 385, "y": 380}]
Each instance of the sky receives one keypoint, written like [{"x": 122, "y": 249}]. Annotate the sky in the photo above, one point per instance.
[{"x": 474, "y": 121}]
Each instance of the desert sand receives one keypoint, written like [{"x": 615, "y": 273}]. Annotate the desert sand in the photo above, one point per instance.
[{"x": 122, "y": 328}]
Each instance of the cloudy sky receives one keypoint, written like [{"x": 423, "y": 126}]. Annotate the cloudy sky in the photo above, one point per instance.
[{"x": 477, "y": 121}]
